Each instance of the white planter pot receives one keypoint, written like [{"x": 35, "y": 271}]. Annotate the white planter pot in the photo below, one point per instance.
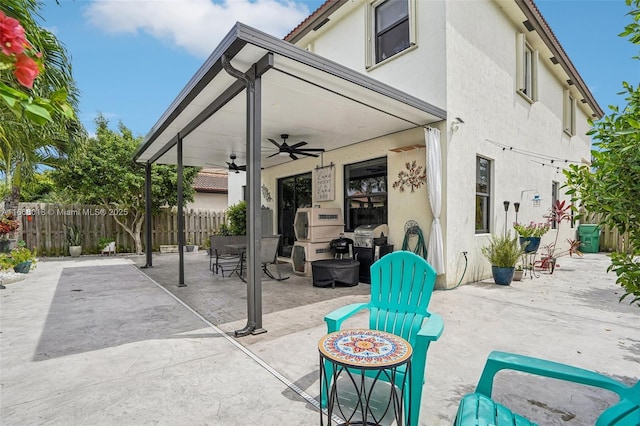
[{"x": 75, "y": 251}]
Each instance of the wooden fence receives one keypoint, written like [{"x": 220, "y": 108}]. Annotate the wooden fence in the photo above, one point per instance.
[
  {"x": 612, "y": 240},
  {"x": 42, "y": 226}
]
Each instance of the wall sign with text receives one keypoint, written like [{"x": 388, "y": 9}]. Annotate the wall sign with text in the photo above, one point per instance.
[{"x": 324, "y": 183}]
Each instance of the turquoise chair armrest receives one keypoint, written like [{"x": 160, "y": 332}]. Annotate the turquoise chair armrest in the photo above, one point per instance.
[
  {"x": 432, "y": 329},
  {"x": 502, "y": 360},
  {"x": 335, "y": 319}
]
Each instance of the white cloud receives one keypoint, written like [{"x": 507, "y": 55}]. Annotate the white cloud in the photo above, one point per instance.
[{"x": 195, "y": 25}]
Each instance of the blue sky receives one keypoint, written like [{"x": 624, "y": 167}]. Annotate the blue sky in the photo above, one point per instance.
[{"x": 131, "y": 58}]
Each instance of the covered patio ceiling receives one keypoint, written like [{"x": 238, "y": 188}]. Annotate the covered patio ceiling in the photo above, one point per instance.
[
  {"x": 255, "y": 87},
  {"x": 302, "y": 94}
]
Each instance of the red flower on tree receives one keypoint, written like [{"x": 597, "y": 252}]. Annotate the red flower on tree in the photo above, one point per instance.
[
  {"x": 12, "y": 38},
  {"x": 26, "y": 70},
  {"x": 17, "y": 50}
]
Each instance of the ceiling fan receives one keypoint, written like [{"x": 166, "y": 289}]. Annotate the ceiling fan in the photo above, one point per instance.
[
  {"x": 233, "y": 167},
  {"x": 293, "y": 150}
]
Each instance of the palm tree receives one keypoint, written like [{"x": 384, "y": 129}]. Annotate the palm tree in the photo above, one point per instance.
[{"x": 25, "y": 145}]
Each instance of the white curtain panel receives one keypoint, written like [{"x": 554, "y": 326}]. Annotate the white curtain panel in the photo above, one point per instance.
[{"x": 435, "y": 255}]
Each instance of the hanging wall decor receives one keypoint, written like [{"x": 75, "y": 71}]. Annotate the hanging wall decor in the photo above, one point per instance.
[
  {"x": 413, "y": 178},
  {"x": 266, "y": 194},
  {"x": 324, "y": 183}
]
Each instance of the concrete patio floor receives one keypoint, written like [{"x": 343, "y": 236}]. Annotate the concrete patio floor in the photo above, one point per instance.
[{"x": 98, "y": 341}]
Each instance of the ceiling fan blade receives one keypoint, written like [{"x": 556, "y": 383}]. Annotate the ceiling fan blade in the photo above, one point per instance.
[
  {"x": 243, "y": 168},
  {"x": 293, "y": 156},
  {"x": 308, "y": 154},
  {"x": 298, "y": 145},
  {"x": 273, "y": 155},
  {"x": 274, "y": 142},
  {"x": 311, "y": 150}
]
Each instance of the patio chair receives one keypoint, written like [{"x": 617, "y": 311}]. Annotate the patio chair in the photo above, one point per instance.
[
  {"x": 109, "y": 249},
  {"x": 401, "y": 287},
  {"x": 269, "y": 256},
  {"x": 479, "y": 409},
  {"x": 221, "y": 258}
]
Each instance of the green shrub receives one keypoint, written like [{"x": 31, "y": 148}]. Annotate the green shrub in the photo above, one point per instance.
[
  {"x": 503, "y": 251},
  {"x": 237, "y": 215}
]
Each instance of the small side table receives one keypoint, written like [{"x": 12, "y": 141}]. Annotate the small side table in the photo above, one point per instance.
[{"x": 354, "y": 352}]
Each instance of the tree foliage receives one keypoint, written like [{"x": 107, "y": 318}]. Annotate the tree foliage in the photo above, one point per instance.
[
  {"x": 38, "y": 126},
  {"x": 611, "y": 187},
  {"x": 103, "y": 172}
]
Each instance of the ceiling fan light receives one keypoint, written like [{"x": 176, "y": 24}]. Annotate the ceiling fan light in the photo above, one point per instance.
[{"x": 283, "y": 154}]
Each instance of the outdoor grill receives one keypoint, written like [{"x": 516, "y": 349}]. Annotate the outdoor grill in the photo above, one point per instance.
[
  {"x": 342, "y": 246},
  {"x": 370, "y": 244},
  {"x": 365, "y": 235}
]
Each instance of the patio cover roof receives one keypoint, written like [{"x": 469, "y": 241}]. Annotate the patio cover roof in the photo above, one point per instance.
[
  {"x": 254, "y": 87},
  {"x": 303, "y": 95}
]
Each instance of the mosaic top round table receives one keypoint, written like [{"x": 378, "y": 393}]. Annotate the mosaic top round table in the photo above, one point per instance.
[{"x": 347, "y": 357}]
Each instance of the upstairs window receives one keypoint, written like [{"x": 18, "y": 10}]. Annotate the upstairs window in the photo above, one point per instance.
[
  {"x": 527, "y": 69},
  {"x": 392, "y": 28},
  {"x": 569, "y": 114}
]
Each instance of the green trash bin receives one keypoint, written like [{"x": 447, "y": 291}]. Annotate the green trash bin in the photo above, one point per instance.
[{"x": 589, "y": 236}]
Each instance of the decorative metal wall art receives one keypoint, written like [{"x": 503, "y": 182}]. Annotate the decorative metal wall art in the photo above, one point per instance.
[{"x": 414, "y": 177}]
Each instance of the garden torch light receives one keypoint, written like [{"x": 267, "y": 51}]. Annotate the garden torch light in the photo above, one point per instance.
[{"x": 506, "y": 209}]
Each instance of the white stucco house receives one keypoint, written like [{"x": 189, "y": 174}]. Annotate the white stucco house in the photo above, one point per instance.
[
  {"x": 367, "y": 81},
  {"x": 210, "y": 187}
]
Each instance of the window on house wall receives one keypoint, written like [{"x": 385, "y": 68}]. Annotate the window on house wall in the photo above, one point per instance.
[
  {"x": 391, "y": 29},
  {"x": 483, "y": 195},
  {"x": 569, "y": 116},
  {"x": 527, "y": 69},
  {"x": 555, "y": 194},
  {"x": 365, "y": 189}
]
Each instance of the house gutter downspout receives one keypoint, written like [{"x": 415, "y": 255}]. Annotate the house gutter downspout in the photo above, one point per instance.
[{"x": 253, "y": 86}]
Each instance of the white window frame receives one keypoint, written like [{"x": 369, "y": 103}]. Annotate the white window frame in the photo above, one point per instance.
[
  {"x": 555, "y": 196},
  {"x": 370, "y": 36},
  {"x": 486, "y": 195},
  {"x": 526, "y": 69},
  {"x": 569, "y": 114}
]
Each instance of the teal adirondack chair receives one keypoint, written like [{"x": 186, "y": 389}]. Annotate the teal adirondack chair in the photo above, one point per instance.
[
  {"x": 478, "y": 409},
  {"x": 401, "y": 287}
]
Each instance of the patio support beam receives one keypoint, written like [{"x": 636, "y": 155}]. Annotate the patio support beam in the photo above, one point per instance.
[
  {"x": 180, "y": 215},
  {"x": 253, "y": 84},
  {"x": 148, "y": 217}
]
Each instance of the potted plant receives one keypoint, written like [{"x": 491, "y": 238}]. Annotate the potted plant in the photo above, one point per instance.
[
  {"x": 190, "y": 246},
  {"x": 530, "y": 235},
  {"x": 503, "y": 252},
  {"x": 8, "y": 225},
  {"x": 559, "y": 212},
  {"x": 517, "y": 274},
  {"x": 74, "y": 240},
  {"x": 22, "y": 258}
]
